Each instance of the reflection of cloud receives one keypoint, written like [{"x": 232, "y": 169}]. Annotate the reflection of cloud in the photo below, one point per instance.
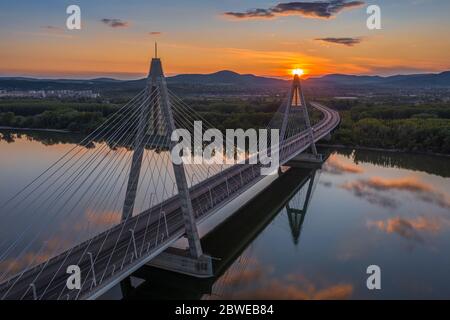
[
  {"x": 14, "y": 265},
  {"x": 435, "y": 198},
  {"x": 246, "y": 276},
  {"x": 410, "y": 228},
  {"x": 349, "y": 42},
  {"x": 407, "y": 183},
  {"x": 322, "y": 9},
  {"x": 103, "y": 218},
  {"x": 91, "y": 221},
  {"x": 327, "y": 184},
  {"x": 279, "y": 290},
  {"x": 240, "y": 284},
  {"x": 98, "y": 219},
  {"x": 51, "y": 247},
  {"x": 336, "y": 166},
  {"x": 425, "y": 191},
  {"x": 361, "y": 190},
  {"x": 366, "y": 188}
]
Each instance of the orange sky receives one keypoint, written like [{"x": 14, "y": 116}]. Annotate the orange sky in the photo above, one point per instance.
[{"x": 211, "y": 42}]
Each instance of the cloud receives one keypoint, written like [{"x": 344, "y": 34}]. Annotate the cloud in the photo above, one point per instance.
[
  {"x": 155, "y": 33},
  {"x": 349, "y": 42},
  {"x": 336, "y": 166},
  {"x": 322, "y": 10},
  {"x": 51, "y": 28},
  {"x": 253, "y": 13},
  {"x": 115, "y": 23}
]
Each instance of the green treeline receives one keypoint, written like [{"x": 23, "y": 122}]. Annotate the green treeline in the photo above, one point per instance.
[
  {"x": 418, "y": 128},
  {"x": 381, "y": 124},
  {"x": 52, "y": 114},
  {"x": 244, "y": 114},
  {"x": 235, "y": 113}
]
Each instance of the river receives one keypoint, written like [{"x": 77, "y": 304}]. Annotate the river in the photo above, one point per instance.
[{"x": 310, "y": 235}]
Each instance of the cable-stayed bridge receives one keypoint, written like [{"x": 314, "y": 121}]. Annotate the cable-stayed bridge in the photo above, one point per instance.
[
  {"x": 282, "y": 204},
  {"x": 152, "y": 209}
]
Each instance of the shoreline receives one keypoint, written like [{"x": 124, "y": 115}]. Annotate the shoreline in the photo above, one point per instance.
[
  {"x": 324, "y": 145},
  {"x": 342, "y": 146},
  {"x": 36, "y": 129}
]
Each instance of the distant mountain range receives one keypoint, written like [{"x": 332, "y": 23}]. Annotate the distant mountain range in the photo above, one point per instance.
[
  {"x": 231, "y": 79},
  {"x": 226, "y": 77},
  {"x": 413, "y": 80}
]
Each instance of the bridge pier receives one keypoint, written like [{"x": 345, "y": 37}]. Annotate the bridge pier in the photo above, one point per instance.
[
  {"x": 306, "y": 160},
  {"x": 181, "y": 261}
]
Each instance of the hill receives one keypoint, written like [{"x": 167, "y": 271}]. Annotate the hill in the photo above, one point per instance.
[{"x": 232, "y": 81}]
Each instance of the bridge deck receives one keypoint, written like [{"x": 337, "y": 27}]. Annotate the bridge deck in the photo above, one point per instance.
[{"x": 113, "y": 251}]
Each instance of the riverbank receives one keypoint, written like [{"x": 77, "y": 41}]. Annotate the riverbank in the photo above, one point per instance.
[
  {"x": 324, "y": 145},
  {"x": 341, "y": 146},
  {"x": 35, "y": 129}
]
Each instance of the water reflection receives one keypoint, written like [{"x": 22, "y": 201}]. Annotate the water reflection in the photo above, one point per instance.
[
  {"x": 366, "y": 207},
  {"x": 288, "y": 245},
  {"x": 416, "y": 162},
  {"x": 297, "y": 206},
  {"x": 47, "y": 138},
  {"x": 288, "y": 196},
  {"x": 79, "y": 192}
]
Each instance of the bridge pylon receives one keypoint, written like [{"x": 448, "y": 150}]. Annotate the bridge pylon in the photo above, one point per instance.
[
  {"x": 157, "y": 119},
  {"x": 295, "y": 101}
]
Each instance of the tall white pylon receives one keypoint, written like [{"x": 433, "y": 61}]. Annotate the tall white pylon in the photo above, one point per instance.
[
  {"x": 297, "y": 100},
  {"x": 162, "y": 123}
]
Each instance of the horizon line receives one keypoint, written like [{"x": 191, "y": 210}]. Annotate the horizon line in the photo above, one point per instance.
[{"x": 139, "y": 76}]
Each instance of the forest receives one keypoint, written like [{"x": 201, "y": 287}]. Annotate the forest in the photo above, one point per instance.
[
  {"x": 423, "y": 127},
  {"x": 54, "y": 114}
]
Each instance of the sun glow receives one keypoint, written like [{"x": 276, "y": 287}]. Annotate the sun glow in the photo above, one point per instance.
[{"x": 298, "y": 72}]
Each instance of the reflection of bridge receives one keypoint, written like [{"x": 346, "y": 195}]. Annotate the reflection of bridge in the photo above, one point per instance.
[
  {"x": 292, "y": 189},
  {"x": 296, "y": 210},
  {"x": 200, "y": 195}
]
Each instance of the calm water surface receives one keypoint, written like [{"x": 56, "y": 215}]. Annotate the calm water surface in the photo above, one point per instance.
[{"x": 311, "y": 235}]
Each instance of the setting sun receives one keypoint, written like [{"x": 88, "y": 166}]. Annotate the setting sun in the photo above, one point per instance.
[{"x": 298, "y": 72}]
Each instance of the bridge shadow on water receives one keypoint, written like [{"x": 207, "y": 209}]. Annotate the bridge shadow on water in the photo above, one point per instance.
[{"x": 290, "y": 195}]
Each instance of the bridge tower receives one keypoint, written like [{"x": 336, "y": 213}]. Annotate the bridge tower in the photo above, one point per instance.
[
  {"x": 156, "y": 118},
  {"x": 296, "y": 216},
  {"x": 296, "y": 99}
]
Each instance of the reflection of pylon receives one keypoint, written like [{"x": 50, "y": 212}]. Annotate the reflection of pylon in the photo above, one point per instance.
[
  {"x": 161, "y": 123},
  {"x": 296, "y": 216},
  {"x": 297, "y": 100}
]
